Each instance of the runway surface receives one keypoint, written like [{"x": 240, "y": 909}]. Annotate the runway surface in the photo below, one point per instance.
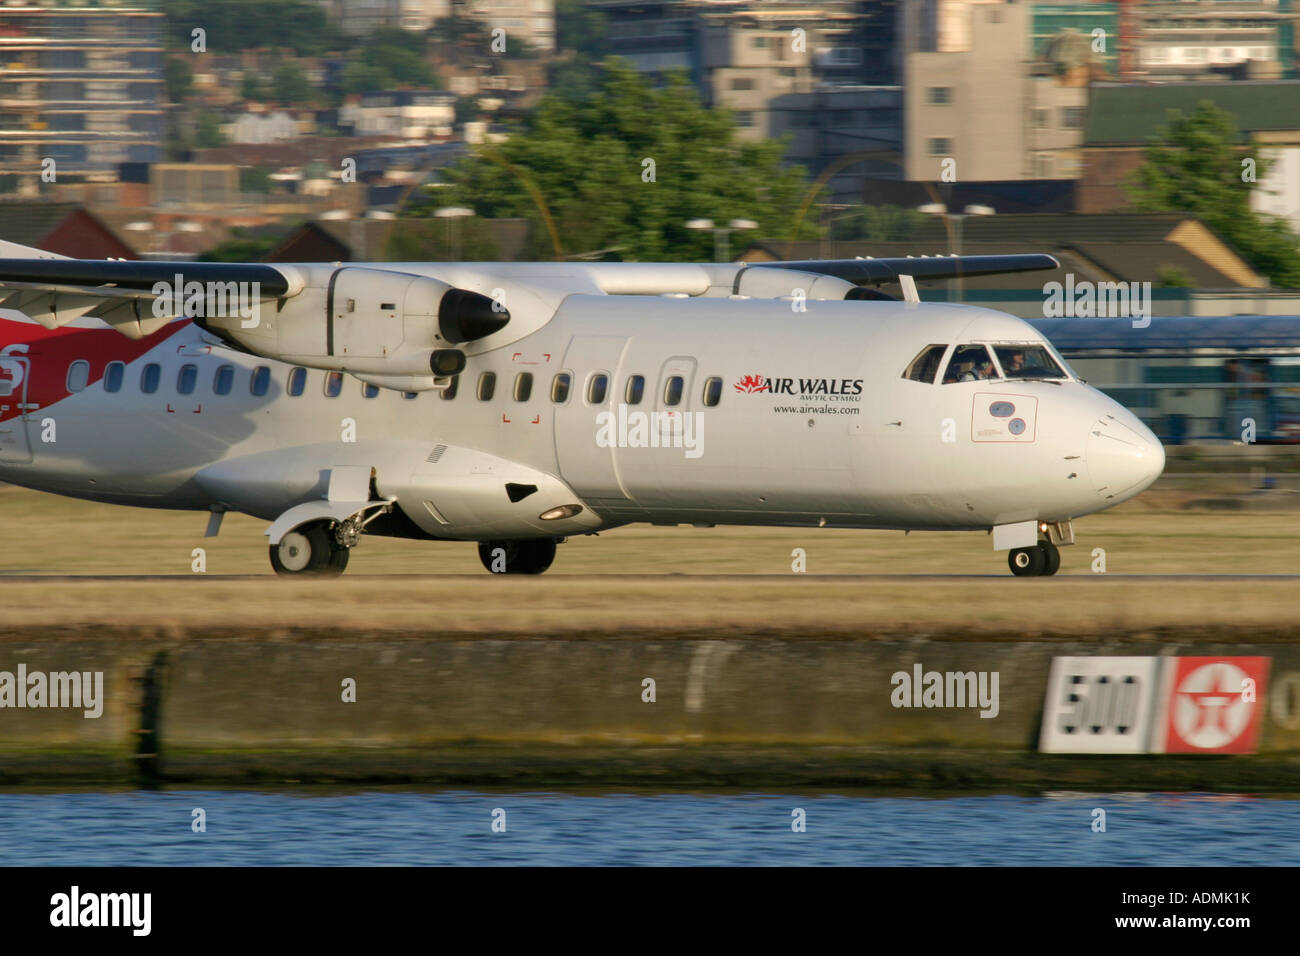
[{"x": 662, "y": 576}]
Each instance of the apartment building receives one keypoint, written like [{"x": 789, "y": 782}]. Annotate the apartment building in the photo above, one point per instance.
[
  {"x": 1191, "y": 38},
  {"x": 81, "y": 90},
  {"x": 364, "y": 17},
  {"x": 978, "y": 105},
  {"x": 407, "y": 114},
  {"x": 532, "y": 21}
]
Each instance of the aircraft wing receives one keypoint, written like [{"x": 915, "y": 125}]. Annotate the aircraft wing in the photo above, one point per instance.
[
  {"x": 874, "y": 271},
  {"x": 56, "y": 291}
]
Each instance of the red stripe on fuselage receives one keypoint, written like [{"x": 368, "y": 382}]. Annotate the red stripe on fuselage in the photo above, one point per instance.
[{"x": 50, "y": 352}]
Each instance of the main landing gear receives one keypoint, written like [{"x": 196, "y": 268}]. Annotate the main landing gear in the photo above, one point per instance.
[
  {"x": 313, "y": 548},
  {"x": 517, "y": 557},
  {"x": 1042, "y": 559}
]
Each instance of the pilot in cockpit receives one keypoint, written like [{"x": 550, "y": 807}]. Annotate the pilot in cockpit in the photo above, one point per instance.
[{"x": 981, "y": 370}]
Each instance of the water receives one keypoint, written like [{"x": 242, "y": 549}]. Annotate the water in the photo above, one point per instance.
[{"x": 454, "y": 827}]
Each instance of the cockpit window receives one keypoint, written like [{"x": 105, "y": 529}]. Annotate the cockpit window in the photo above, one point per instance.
[
  {"x": 926, "y": 364},
  {"x": 1028, "y": 361},
  {"x": 969, "y": 363}
]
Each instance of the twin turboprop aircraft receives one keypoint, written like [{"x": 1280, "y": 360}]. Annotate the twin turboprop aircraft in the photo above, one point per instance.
[{"x": 520, "y": 404}]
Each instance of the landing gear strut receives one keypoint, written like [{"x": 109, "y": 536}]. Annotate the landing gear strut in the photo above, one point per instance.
[
  {"x": 310, "y": 549},
  {"x": 1043, "y": 559},
  {"x": 517, "y": 557}
]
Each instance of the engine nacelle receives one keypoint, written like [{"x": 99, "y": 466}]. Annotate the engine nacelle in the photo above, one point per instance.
[{"x": 386, "y": 324}]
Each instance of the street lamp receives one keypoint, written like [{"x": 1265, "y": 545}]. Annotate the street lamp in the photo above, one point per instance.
[
  {"x": 449, "y": 213},
  {"x": 721, "y": 250},
  {"x": 953, "y": 221}
]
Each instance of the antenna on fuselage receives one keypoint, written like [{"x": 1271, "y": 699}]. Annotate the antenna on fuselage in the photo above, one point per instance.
[{"x": 908, "y": 285}]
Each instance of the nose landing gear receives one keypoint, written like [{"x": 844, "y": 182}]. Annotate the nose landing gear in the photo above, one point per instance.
[{"x": 1042, "y": 559}]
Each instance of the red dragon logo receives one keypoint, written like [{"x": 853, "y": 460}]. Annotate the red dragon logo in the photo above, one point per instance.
[{"x": 752, "y": 383}]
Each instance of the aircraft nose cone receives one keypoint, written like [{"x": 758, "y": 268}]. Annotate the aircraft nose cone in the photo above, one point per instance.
[{"x": 1124, "y": 457}]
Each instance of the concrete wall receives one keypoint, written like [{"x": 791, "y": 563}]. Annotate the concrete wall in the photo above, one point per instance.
[{"x": 760, "y": 712}]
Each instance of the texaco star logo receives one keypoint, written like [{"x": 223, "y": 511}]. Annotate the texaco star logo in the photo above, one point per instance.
[{"x": 1208, "y": 708}]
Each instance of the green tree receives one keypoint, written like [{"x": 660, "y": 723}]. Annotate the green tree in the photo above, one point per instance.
[
  {"x": 242, "y": 246},
  {"x": 441, "y": 240},
  {"x": 233, "y": 26},
  {"x": 1194, "y": 164},
  {"x": 627, "y": 168},
  {"x": 390, "y": 58},
  {"x": 359, "y": 77},
  {"x": 581, "y": 32},
  {"x": 580, "y": 28},
  {"x": 255, "y": 179},
  {"x": 1173, "y": 277},
  {"x": 178, "y": 78},
  {"x": 250, "y": 86},
  {"x": 207, "y": 131},
  {"x": 290, "y": 84}
]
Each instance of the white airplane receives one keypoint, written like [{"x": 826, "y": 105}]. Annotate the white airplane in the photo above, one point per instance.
[{"x": 520, "y": 404}]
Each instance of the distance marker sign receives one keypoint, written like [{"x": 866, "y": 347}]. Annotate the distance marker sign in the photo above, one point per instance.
[
  {"x": 1099, "y": 705},
  {"x": 1153, "y": 705}
]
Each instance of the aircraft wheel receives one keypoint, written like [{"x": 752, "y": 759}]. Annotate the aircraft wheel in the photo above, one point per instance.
[
  {"x": 1027, "y": 562},
  {"x": 1052, "y": 553},
  {"x": 308, "y": 549},
  {"x": 521, "y": 557},
  {"x": 338, "y": 560}
]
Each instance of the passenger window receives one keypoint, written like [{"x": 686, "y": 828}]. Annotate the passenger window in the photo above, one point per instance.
[
  {"x": 187, "y": 378},
  {"x": 150, "y": 376},
  {"x": 597, "y": 387},
  {"x": 523, "y": 386},
  {"x": 333, "y": 384},
  {"x": 969, "y": 363},
  {"x": 261, "y": 380},
  {"x": 635, "y": 389},
  {"x": 560, "y": 387},
  {"x": 78, "y": 375},
  {"x": 297, "y": 381},
  {"x": 673, "y": 390},
  {"x": 487, "y": 385},
  {"x": 113, "y": 376},
  {"x": 926, "y": 364},
  {"x": 449, "y": 392},
  {"x": 712, "y": 391},
  {"x": 368, "y": 390},
  {"x": 224, "y": 380}
]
